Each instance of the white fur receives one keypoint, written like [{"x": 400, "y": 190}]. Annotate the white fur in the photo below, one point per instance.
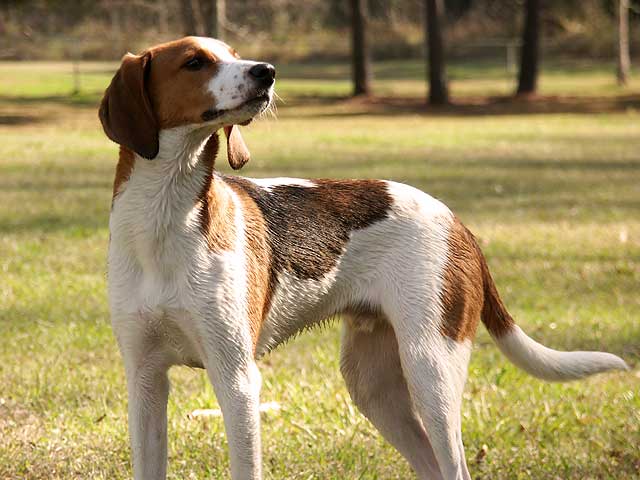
[
  {"x": 220, "y": 49},
  {"x": 230, "y": 84},
  {"x": 553, "y": 365},
  {"x": 269, "y": 183},
  {"x": 228, "y": 87}
]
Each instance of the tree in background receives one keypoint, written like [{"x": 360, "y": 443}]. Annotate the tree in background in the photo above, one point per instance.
[
  {"x": 202, "y": 17},
  {"x": 360, "y": 55},
  {"x": 438, "y": 91},
  {"x": 189, "y": 17},
  {"x": 624, "y": 61},
  {"x": 530, "y": 51},
  {"x": 213, "y": 12}
]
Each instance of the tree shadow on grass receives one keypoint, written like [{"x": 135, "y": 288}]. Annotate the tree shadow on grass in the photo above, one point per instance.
[
  {"x": 54, "y": 223},
  {"x": 18, "y": 120},
  {"x": 391, "y": 106},
  {"x": 84, "y": 99}
]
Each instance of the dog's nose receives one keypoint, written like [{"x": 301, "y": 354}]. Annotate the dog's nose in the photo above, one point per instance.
[{"x": 265, "y": 73}]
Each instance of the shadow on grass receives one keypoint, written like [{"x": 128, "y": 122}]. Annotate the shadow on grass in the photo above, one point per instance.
[
  {"x": 53, "y": 223},
  {"x": 82, "y": 99},
  {"x": 43, "y": 187},
  {"x": 18, "y": 120},
  {"x": 383, "y": 105}
]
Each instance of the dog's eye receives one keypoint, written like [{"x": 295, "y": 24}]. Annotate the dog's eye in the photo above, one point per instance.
[{"x": 196, "y": 63}]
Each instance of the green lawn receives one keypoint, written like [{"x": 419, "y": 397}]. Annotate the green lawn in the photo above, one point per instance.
[{"x": 553, "y": 197}]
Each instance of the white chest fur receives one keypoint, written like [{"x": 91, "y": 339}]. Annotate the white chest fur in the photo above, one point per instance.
[
  {"x": 161, "y": 273},
  {"x": 154, "y": 241}
]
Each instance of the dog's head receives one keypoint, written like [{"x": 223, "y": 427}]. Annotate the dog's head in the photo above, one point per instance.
[{"x": 200, "y": 83}]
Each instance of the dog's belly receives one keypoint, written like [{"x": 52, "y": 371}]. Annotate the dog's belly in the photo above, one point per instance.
[{"x": 299, "y": 304}]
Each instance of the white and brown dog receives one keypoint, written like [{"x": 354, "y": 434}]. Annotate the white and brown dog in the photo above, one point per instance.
[{"x": 214, "y": 271}]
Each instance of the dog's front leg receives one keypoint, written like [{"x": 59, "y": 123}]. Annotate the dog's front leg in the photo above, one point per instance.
[
  {"x": 236, "y": 382},
  {"x": 146, "y": 367}
]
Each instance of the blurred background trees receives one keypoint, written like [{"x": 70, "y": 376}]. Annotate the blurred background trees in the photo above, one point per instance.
[{"x": 319, "y": 30}]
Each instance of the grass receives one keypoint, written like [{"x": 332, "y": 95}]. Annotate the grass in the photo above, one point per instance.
[{"x": 553, "y": 197}]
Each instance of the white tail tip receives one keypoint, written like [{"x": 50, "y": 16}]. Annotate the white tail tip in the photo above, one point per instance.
[{"x": 553, "y": 365}]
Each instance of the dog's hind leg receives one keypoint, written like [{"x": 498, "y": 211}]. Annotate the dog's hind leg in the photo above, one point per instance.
[
  {"x": 435, "y": 369},
  {"x": 370, "y": 365}
]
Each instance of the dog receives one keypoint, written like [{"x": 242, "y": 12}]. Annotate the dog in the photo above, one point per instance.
[{"x": 213, "y": 271}]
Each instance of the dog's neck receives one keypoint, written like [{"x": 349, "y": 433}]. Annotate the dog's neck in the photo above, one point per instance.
[
  {"x": 184, "y": 154},
  {"x": 183, "y": 149},
  {"x": 167, "y": 188}
]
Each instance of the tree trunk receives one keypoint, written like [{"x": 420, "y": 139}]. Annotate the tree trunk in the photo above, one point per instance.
[
  {"x": 191, "y": 17},
  {"x": 438, "y": 91},
  {"x": 209, "y": 9},
  {"x": 624, "y": 61},
  {"x": 529, "y": 53},
  {"x": 163, "y": 17},
  {"x": 360, "y": 49}
]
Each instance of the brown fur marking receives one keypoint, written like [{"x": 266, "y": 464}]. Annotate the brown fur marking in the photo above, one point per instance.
[
  {"x": 462, "y": 295},
  {"x": 217, "y": 224},
  {"x": 494, "y": 314},
  {"x": 469, "y": 292},
  {"x": 308, "y": 227},
  {"x": 216, "y": 207},
  {"x": 258, "y": 259},
  {"x": 124, "y": 168}
]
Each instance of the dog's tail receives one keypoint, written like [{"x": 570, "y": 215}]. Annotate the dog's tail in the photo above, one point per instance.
[{"x": 531, "y": 356}]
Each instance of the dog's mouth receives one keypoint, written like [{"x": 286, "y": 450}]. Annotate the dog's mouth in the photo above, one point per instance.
[{"x": 252, "y": 107}]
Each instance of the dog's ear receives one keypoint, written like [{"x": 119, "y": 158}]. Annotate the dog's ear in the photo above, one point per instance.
[
  {"x": 126, "y": 112},
  {"x": 237, "y": 151}
]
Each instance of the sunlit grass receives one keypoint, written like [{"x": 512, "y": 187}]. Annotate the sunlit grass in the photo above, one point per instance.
[{"x": 554, "y": 200}]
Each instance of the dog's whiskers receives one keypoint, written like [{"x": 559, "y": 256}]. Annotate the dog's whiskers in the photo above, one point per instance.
[{"x": 271, "y": 110}]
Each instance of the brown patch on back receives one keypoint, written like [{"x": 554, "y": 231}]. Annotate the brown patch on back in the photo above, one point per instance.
[
  {"x": 468, "y": 291},
  {"x": 216, "y": 206},
  {"x": 124, "y": 168},
  {"x": 304, "y": 230},
  {"x": 462, "y": 295},
  {"x": 309, "y": 227}
]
